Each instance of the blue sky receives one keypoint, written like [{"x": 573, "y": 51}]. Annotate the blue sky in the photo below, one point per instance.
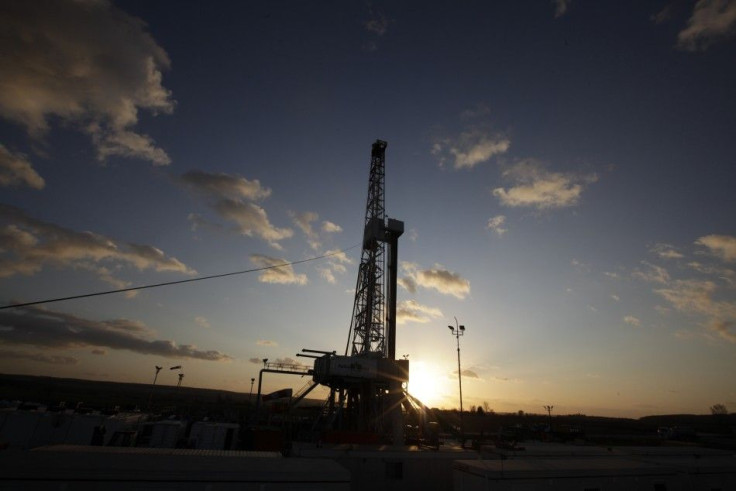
[{"x": 565, "y": 172}]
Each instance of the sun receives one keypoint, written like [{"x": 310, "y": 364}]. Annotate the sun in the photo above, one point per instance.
[{"x": 425, "y": 383}]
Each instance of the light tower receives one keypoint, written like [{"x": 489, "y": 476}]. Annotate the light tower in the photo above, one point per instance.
[{"x": 458, "y": 331}]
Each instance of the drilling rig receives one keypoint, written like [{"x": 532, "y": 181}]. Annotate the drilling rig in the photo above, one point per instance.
[{"x": 366, "y": 383}]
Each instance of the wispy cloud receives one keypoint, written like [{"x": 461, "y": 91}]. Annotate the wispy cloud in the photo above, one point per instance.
[
  {"x": 711, "y": 21},
  {"x": 413, "y": 311},
  {"x": 376, "y": 26},
  {"x": 304, "y": 221},
  {"x": 331, "y": 228},
  {"x": 632, "y": 321},
  {"x": 16, "y": 170},
  {"x": 266, "y": 342},
  {"x": 725, "y": 274},
  {"x": 28, "y": 244},
  {"x": 666, "y": 251},
  {"x": 470, "y": 148},
  {"x": 377, "y": 23},
  {"x": 652, "y": 273},
  {"x": 234, "y": 198},
  {"x": 335, "y": 265},
  {"x": 699, "y": 297},
  {"x": 535, "y": 186},
  {"x": 722, "y": 246},
  {"x": 251, "y": 220},
  {"x": 202, "y": 322},
  {"x": 225, "y": 186},
  {"x": 561, "y": 7},
  {"x": 663, "y": 15},
  {"x": 49, "y": 329},
  {"x": 467, "y": 373},
  {"x": 87, "y": 64},
  {"x": 280, "y": 271},
  {"x": 497, "y": 224},
  {"x": 437, "y": 278}
]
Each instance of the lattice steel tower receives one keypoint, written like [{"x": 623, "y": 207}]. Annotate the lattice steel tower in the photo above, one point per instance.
[{"x": 367, "y": 326}]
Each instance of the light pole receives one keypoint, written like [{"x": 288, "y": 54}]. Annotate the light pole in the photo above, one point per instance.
[
  {"x": 549, "y": 413},
  {"x": 458, "y": 331},
  {"x": 153, "y": 386},
  {"x": 250, "y": 396}
]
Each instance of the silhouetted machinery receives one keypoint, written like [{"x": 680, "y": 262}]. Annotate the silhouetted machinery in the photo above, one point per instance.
[{"x": 366, "y": 383}]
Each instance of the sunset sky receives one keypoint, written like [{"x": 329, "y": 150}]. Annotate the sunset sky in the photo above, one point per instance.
[{"x": 566, "y": 173}]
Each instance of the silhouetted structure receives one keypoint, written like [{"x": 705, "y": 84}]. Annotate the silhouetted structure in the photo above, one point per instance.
[{"x": 366, "y": 383}]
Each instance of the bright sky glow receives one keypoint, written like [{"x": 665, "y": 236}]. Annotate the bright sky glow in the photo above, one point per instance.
[{"x": 565, "y": 172}]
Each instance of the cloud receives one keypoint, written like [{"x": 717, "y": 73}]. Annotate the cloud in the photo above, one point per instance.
[
  {"x": 221, "y": 185},
  {"x": 265, "y": 342},
  {"x": 632, "y": 321},
  {"x": 86, "y": 64},
  {"x": 698, "y": 297},
  {"x": 722, "y": 246},
  {"x": 724, "y": 329},
  {"x": 666, "y": 251},
  {"x": 561, "y": 7},
  {"x": 408, "y": 284},
  {"x": 336, "y": 261},
  {"x": 479, "y": 111},
  {"x": 202, "y": 322},
  {"x": 16, "y": 170},
  {"x": 497, "y": 224},
  {"x": 724, "y": 274},
  {"x": 256, "y": 361},
  {"x": 234, "y": 200},
  {"x": 616, "y": 298},
  {"x": 469, "y": 374},
  {"x": 376, "y": 26},
  {"x": 534, "y": 186},
  {"x": 328, "y": 275},
  {"x": 412, "y": 311},
  {"x": 304, "y": 221},
  {"x": 330, "y": 228},
  {"x": 27, "y": 245},
  {"x": 279, "y": 271},
  {"x": 99, "y": 352},
  {"x": 652, "y": 274},
  {"x": 38, "y": 357},
  {"x": 437, "y": 278},
  {"x": 470, "y": 148},
  {"x": 377, "y": 23},
  {"x": 49, "y": 329},
  {"x": 580, "y": 266},
  {"x": 663, "y": 15},
  {"x": 251, "y": 220},
  {"x": 711, "y": 21}
]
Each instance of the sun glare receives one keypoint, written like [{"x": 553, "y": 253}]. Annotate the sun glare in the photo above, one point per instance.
[{"x": 425, "y": 383}]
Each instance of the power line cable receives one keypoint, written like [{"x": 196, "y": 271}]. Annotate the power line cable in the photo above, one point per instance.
[{"x": 177, "y": 282}]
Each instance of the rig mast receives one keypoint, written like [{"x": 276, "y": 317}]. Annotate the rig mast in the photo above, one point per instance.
[{"x": 366, "y": 383}]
